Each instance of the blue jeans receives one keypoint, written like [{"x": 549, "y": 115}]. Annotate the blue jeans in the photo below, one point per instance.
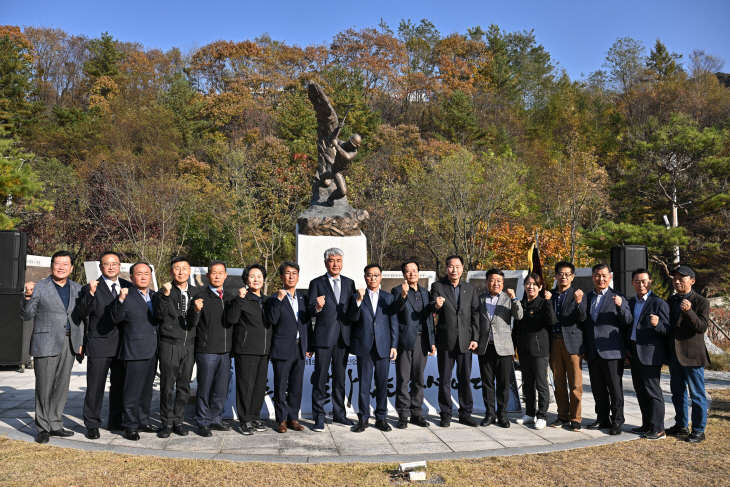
[{"x": 683, "y": 377}]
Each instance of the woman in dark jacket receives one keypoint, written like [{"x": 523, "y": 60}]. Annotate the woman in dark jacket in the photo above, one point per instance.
[
  {"x": 251, "y": 346},
  {"x": 532, "y": 342}
]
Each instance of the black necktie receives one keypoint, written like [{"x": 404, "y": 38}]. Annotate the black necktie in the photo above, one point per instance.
[{"x": 114, "y": 290}]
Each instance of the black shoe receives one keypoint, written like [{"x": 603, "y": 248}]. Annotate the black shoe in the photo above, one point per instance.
[
  {"x": 445, "y": 421},
  {"x": 503, "y": 423},
  {"x": 575, "y": 426},
  {"x": 62, "y": 433},
  {"x": 468, "y": 420},
  {"x": 419, "y": 421},
  {"x": 360, "y": 426},
  {"x": 258, "y": 425},
  {"x": 115, "y": 427},
  {"x": 345, "y": 421},
  {"x": 165, "y": 432},
  {"x": 642, "y": 429},
  {"x": 654, "y": 435},
  {"x": 488, "y": 420},
  {"x": 42, "y": 437},
  {"x": 179, "y": 430},
  {"x": 148, "y": 428},
  {"x": 598, "y": 425},
  {"x": 247, "y": 428},
  {"x": 130, "y": 434},
  {"x": 93, "y": 434},
  {"x": 558, "y": 423},
  {"x": 204, "y": 431},
  {"x": 695, "y": 437},
  {"x": 382, "y": 425},
  {"x": 677, "y": 430},
  {"x": 615, "y": 429},
  {"x": 402, "y": 423},
  {"x": 220, "y": 426}
]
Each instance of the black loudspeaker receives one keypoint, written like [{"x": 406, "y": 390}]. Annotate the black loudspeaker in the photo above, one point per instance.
[
  {"x": 13, "y": 330},
  {"x": 625, "y": 259},
  {"x": 13, "y": 252}
]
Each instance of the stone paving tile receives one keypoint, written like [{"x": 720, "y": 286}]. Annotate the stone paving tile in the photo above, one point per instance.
[
  {"x": 366, "y": 449},
  {"x": 253, "y": 452},
  {"x": 146, "y": 440},
  {"x": 413, "y": 434},
  {"x": 486, "y": 444},
  {"x": 323, "y": 440},
  {"x": 559, "y": 435},
  {"x": 237, "y": 441},
  {"x": 194, "y": 443},
  {"x": 15, "y": 423},
  {"x": 421, "y": 448},
  {"x": 464, "y": 433},
  {"x": 11, "y": 404},
  {"x": 309, "y": 451},
  {"x": 17, "y": 413}
]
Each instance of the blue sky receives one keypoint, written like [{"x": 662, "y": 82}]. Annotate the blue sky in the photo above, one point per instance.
[{"x": 576, "y": 33}]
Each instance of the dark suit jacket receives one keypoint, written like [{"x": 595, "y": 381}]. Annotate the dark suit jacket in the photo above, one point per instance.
[
  {"x": 102, "y": 334},
  {"x": 650, "y": 341},
  {"x": 138, "y": 326},
  {"x": 175, "y": 328},
  {"x": 572, "y": 316},
  {"x": 214, "y": 334},
  {"x": 285, "y": 327},
  {"x": 409, "y": 321},
  {"x": 605, "y": 336},
  {"x": 452, "y": 321},
  {"x": 332, "y": 321},
  {"x": 368, "y": 325},
  {"x": 531, "y": 334},
  {"x": 687, "y": 334},
  {"x": 251, "y": 332}
]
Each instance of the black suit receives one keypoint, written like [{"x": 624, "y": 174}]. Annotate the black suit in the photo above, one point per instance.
[
  {"x": 101, "y": 346},
  {"x": 330, "y": 343},
  {"x": 288, "y": 353},
  {"x": 458, "y": 325},
  {"x": 139, "y": 352}
]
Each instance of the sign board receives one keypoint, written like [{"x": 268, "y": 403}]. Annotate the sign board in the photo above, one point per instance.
[
  {"x": 392, "y": 279},
  {"x": 512, "y": 280},
  {"x": 37, "y": 267},
  {"x": 233, "y": 282}
]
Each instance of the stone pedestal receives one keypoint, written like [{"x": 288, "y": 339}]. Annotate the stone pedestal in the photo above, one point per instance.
[{"x": 310, "y": 257}]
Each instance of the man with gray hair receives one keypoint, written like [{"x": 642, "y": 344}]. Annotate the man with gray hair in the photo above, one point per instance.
[{"x": 328, "y": 299}]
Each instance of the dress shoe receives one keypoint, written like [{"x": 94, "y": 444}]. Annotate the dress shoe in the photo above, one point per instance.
[
  {"x": 205, "y": 432},
  {"x": 247, "y": 428},
  {"x": 488, "y": 420},
  {"x": 165, "y": 432},
  {"x": 677, "y": 430},
  {"x": 419, "y": 421},
  {"x": 575, "y": 426},
  {"x": 62, "y": 433},
  {"x": 258, "y": 425},
  {"x": 318, "y": 425},
  {"x": 281, "y": 427},
  {"x": 179, "y": 430},
  {"x": 468, "y": 420},
  {"x": 148, "y": 428},
  {"x": 695, "y": 437},
  {"x": 130, "y": 434},
  {"x": 402, "y": 423},
  {"x": 42, "y": 437},
  {"x": 598, "y": 424},
  {"x": 115, "y": 427},
  {"x": 93, "y": 434},
  {"x": 293, "y": 424},
  {"x": 345, "y": 421},
  {"x": 558, "y": 423},
  {"x": 220, "y": 426},
  {"x": 503, "y": 423},
  {"x": 615, "y": 429},
  {"x": 641, "y": 429},
  {"x": 382, "y": 425},
  {"x": 445, "y": 421},
  {"x": 654, "y": 435},
  {"x": 360, "y": 426}
]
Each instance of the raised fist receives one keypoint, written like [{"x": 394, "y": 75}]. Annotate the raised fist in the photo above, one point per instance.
[
  {"x": 404, "y": 289},
  {"x": 360, "y": 294},
  {"x": 578, "y": 296},
  {"x": 511, "y": 293},
  {"x": 166, "y": 288},
  {"x": 548, "y": 295},
  {"x": 617, "y": 300},
  {"x": 242, "y": 292},
  {"x": 654, "y": 320},
  {"x": 320, "y": 303},
  {"x": 439, "y": 302},
  {"x": 282, "y": 294},
  {"x": 123, "y": 293},
  {"x": 198, "y": 305},
  {"x": 685, "y": 306},
  {"x": 29, "y": 286},
  {"x": 92, "y": 286}
]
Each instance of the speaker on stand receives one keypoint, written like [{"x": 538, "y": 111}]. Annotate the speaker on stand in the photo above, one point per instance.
[
  {"x": 625, "y": 259},
  {"x": 14, "y": 331}
]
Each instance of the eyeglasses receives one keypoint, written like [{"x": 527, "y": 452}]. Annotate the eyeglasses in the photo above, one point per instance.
[
  {"x": 565, "y": 274},
  {"x": 372, "y": 276},
  {"x": 111, "y": 264}
]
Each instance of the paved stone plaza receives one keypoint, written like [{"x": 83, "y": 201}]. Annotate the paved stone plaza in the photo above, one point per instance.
[{"x": 336, "y": 444}]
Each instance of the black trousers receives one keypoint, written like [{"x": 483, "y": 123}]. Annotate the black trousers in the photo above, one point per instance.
[
  {"x": 534, "y": 377},
  {"x": 365, "y": 366},
  {"x": 607, "y": 385},
  {"x": 97, "y": 369},
  {"x": 139, "y": 376},
  {"x": 250, "y": 385},
  {"x": 288, "y": 385},
  {"x": 495, "y": 367},
  {"x": 176, "y": 369},
  {"x": 647, "y": 384},
  {"x": 213, "y": 372},
  {"x": 409, "y": 367},
  {"x": 337, "y": 356},
  {"x": 445, "y": 361}
]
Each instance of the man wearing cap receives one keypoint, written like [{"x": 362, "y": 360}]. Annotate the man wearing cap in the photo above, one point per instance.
[{"x": 689, "y": 315}]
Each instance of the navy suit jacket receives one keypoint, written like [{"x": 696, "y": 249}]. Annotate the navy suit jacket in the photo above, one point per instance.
[
  {"x": 650, "y": 341},
  {"x": 408, "y": 319},
  {"x": 138, "y": 326},
  {"x": 285, "y": 325},
  {"x": 102, "y": 334},
  {"x": 572, "y": 318},
  {"x": 605, "y": 336},
  {"x": 380, "y": 325},
  {"x": 332, "y": 321}
]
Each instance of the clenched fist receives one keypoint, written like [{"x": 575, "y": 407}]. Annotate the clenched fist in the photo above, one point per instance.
[
  {"x": 320, "y": 303},
  {"x": 439, "y": 302},
  {"x": 242, "y": 292},
  {"x": 29, "y": 286},
  {"x": 198, "y": 305},
  {"x": 617, "y": 300},
  {"x": 92, "y": 286},
  {"x": 360, "y": 294},
  {"x": 685, "y": 306},
  {"x": 578, "y": 296},
  {"x": 282, "y": 294},
  {"x": 511, "y": 294},
  {"x": 166, "y": 288},
  {"x": 548, "y": 295},
  {"x": 123, "y": 293},
  {"x": 404, "y": 289},
  {"x": 654, "y": 320}
]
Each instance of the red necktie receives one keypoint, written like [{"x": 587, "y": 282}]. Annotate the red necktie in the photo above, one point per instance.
[{"x": 220, "y": 293}]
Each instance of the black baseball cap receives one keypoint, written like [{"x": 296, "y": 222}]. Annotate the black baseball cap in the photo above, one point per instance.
[{"x": 684, "y": 270}]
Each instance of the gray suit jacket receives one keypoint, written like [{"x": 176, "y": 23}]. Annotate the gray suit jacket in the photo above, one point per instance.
[
  {"x": 50, "y": 317},
  {"x": 501, "y": 324}
]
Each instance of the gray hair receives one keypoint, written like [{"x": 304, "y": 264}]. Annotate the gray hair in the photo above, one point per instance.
[{"x": 333, "y": 251}]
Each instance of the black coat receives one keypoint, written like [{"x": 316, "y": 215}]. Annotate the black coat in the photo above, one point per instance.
[
  {"x": 572, "y": 316},
  {"x": 408, "y": 319},
  {"x": 531, "y": 334},
  {"x": 251, "y": 331},
  {"x": 213, "y": 334},
  {"x": 174, "y": 327},
  {"x": 650, "y": 340},
  {"x": 285, "y": 327},
  {"x": 332, "y": 320},
  {"x": 687, "y": 331},
  {"x": 453, "y": 322},
  {"x": 102, "y": 334},
  {"x": 138, "y": 326}
]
